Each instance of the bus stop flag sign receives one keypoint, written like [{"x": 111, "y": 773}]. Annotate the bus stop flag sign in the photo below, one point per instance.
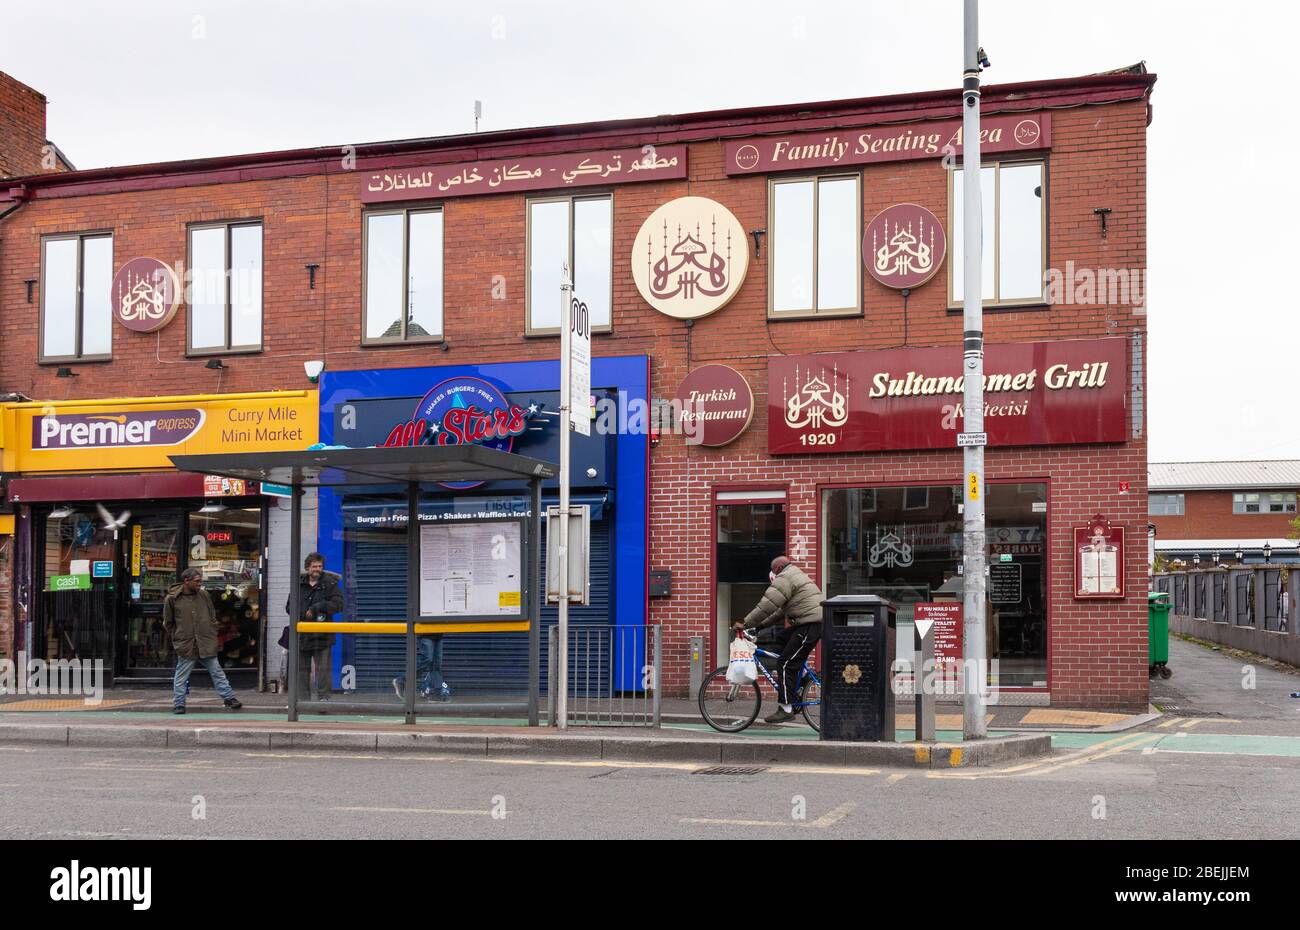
[{"x": 579, "y": 386}]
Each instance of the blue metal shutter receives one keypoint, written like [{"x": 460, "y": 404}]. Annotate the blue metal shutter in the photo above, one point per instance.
[{"x": 473, "y": 663}]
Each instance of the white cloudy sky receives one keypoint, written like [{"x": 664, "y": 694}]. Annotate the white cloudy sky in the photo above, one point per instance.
[{"x": 151, "y": 80}]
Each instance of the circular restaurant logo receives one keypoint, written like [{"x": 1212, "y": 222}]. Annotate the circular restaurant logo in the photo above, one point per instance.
[
  {"x": 690, "y": 258},
  {"x": 1027, "y": 132},
  {"x": 716, "y": 405},
  {"x": 904, "y": 246},
  {"x": 746, "y": 157},
  {"x": 462, "y": 411},
  {"x": 146, "y": 293}
]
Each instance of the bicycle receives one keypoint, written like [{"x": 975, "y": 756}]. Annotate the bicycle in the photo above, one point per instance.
[{"x": 727, "y": 707}]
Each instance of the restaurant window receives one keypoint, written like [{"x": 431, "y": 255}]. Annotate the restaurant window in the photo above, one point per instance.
[
  {"x": 1015, "y": 234},
  {"x": 815, "y": 257},
  {"x": 403, "y": 276},
  {"x": 76, "y": 297},
  {"x": 749, "y": 532},
  {"x": 577, "y": 231},
  {"x": 225, "y": 288},
  {"x": 878, "y": 541},
  {"x": 1276, "y": 502},
  {"x": 1165, "y": 505}
]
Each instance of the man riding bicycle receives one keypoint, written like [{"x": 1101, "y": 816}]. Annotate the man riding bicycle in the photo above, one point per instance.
[{"x": 791, "y": 595}]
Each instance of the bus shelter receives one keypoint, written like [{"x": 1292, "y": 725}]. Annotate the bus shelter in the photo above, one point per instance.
[{"x": 406, "y": 467}]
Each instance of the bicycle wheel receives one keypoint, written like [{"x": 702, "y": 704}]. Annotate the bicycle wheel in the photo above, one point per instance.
[
  {"x": 726, "y": 707},
  {"x": 812, "y": 691}
]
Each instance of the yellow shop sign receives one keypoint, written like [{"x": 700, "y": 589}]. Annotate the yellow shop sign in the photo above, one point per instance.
[{"x": 136, "y": 432}]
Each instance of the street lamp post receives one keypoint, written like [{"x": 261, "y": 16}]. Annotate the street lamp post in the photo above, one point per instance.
[{"x": 1268, "y": 553}]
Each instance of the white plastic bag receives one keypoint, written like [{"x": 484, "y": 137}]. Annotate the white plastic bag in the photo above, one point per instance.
[{"x": 741, "y": 669}]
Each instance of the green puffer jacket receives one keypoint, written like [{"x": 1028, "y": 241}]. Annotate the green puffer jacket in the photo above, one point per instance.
[
  {"x": 792, "y": 595},
  {"x": 191, "y": 619}
]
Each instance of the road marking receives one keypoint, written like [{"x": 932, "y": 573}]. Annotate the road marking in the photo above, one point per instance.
[
  {"x": 419, "y": 810},
  {"x": 1191, "y": 723},
  {"x": 1168, "y": 723},
  {"x": 894, "y": 779},
  {"x": 1044, "y": 766},
  {"x": 825, "y": 821}
]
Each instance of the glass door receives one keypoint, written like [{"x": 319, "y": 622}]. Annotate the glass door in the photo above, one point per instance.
[
  {"x": 154, "y": 566},
  {"x": 749, "y": 532},
  {"x": 226, "y": 544},
  {"x": 78, "y": 592}
]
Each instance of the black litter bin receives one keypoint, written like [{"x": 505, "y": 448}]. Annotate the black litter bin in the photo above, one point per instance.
[{"x": 857, "y": 650}]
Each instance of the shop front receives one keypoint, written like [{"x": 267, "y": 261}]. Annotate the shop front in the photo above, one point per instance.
[
  {"x": 512, "y": 407},
  {"x": 104, "y": 525}
]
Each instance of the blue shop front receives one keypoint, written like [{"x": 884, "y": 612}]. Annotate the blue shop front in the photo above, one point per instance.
[{"x": 511, "y": 406}]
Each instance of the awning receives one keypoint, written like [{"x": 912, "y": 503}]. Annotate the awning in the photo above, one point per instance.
[{"x": 327, "y": 468}]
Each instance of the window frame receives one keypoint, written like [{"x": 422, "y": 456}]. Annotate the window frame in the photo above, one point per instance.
[
  {"x": 571, "y": 199},
  {"x": 817, "y": 179},
  {"x": 227, "y": 349},
  {"x": 79, "y": 321},
  {"x": 1264, "y": 502},
  {"x": 1165, "y": 498},
  {"x": 405, "y": 210},
  {"x": 995, "y": 303}
]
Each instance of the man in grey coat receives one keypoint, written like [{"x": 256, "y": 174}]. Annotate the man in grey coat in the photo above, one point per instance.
[{"x": 793, "y": 596}]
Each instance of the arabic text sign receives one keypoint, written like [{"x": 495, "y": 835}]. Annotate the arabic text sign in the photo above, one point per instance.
[
  {"x": 542, "y": 172},
  {"x": 145, "y": 294},
  {"x": 1036, "y": 393},
  {"x": 1007, "y": 132},
  {"x": 904, "y": 246}
]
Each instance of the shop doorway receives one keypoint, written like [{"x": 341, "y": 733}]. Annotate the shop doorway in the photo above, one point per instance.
[
  {"x": 101, "y": 588},
  {"x": 749, "y": 532}
]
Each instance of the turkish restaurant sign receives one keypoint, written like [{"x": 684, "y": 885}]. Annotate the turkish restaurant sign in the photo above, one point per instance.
[
  {"x": 133, "y": 433},
  {"x": 1035, "y": 393},
  {"x": 1007, "y": 132},
  {"x": 541, "y": 172},
  {"x": 146, "y": 293}
]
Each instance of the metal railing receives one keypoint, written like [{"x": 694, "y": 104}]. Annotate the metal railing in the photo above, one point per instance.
[{"x": 615, "y": 673}]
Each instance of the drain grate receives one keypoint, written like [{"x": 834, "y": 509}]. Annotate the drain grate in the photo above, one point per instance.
[{"x": 731, "y": 770}]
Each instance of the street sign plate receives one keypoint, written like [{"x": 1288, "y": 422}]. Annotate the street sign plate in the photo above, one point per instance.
[{"x": 972, "y": 439}]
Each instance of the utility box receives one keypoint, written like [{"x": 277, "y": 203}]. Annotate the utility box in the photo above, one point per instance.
[{"x": 857, "y": 650}]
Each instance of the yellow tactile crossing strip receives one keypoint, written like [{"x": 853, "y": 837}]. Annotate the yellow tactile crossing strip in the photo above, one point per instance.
[
  {"x": 1074, "y": 718},
  {"x": 76, "y": 704},
  {"x": 941, "y": 721}
]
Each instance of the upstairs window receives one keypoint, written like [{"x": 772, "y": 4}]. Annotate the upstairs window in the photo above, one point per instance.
[
  {"x": 1014, "y": 258},
  {"x": 815, "y": 252},
  {"x": 403, "y": 276},
  {"x": 577, "y": 231},
  {"x": 1264, "y": 502},
  {"x": 225, "y": 289},
  {"x": 1165, "y": 505},
  {"x": 76, "y": 297}
]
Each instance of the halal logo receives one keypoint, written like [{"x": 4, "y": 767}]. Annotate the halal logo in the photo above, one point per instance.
[
  {"x": 1027, "y": 132},
  {"x": 690, "y": 257},
  {"x": 746, "y": 157}
]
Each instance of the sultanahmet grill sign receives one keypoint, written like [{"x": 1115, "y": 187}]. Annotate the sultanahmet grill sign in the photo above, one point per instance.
[{"x": 1037, "y": 393}]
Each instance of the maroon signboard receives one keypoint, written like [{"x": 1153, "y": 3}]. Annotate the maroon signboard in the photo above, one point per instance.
[
  {"x": 1098, "y": 559},
  {"x": 146, "y": 293},
  {"x": 1005, "y": 132},
  {"x": 904, "y": 246},
  {"x": 947, "y": 632},
  {"x": 507, "y": 176},
  {"x": 1035, "y": 393},
  {"x": 716, "y": 405}
]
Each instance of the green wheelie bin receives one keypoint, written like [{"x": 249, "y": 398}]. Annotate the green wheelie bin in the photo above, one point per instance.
[{"x": 1158, "y": 606}]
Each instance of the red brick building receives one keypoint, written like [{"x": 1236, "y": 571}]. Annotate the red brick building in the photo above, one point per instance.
[
  {"x": 315, "y": 248},
  {"x": 1223, "y": 508}
]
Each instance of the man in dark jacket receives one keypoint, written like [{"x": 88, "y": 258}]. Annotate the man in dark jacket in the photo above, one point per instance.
[
  {"x": 319, "y": 598},
  {"x": 791, "y": 595},
  {"x": 191, "y": 619}
]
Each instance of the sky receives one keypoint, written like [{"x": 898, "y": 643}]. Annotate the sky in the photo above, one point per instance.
[{"x": 133, "y": 81}]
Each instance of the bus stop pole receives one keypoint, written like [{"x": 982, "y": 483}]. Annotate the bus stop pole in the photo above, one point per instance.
[
  {"x": 534, "y": 598},
  {"x": 295, "y": 597},
  {"x": 412, "y": 593}
]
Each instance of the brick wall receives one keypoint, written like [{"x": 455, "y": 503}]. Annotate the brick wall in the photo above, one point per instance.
[
  {"x": 1208, "y": 515},
  {"x": 22, "y": 128},
  {"x": 1098, "y": 159}
]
